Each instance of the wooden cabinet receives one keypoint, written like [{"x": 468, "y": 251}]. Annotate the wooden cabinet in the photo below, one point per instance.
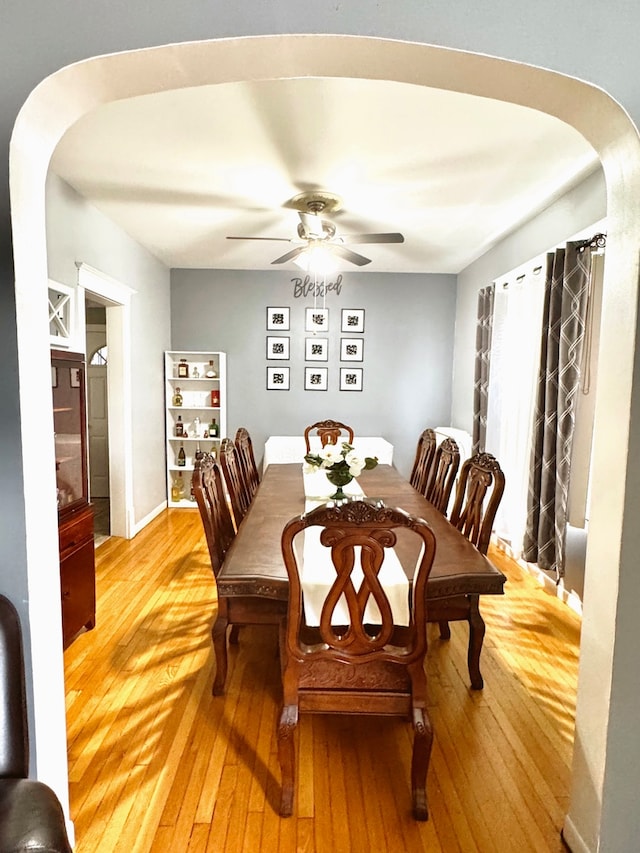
[
  {"x": 202, "y": 400},
  {"x": 75, "y": 514}
]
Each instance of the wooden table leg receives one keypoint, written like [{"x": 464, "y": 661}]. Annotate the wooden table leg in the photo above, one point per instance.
[{"x": 476, "y": 637}]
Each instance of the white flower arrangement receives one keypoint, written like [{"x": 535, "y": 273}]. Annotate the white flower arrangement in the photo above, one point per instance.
[{"x": 341, "y": 458}]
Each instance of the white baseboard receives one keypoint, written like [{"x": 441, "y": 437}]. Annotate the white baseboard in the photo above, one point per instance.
[
  {"x": 573, "y": 839},
  {"x": 569, "y": 597},
  {"x": 148, "y": 518}
]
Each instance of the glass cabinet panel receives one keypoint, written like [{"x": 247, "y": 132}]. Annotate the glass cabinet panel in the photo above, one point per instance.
[{"x": 69, "y": 423}]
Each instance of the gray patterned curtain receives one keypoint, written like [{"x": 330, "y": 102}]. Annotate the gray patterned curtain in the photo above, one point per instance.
[
  {"x": 481, "y": 379},
  {"x": 565, "y": 307}
]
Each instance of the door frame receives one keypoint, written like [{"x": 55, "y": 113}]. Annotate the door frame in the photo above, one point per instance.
[{"x": 116, "y": 297}]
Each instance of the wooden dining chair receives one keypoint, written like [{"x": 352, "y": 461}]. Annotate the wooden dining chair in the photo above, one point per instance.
[
  {"x": 478, "y": 495},
  {"x": 443, "y": 473},
  {"x": 234, "y": 478},
  {"x": 357, "y": 668},
  {"x": 423, "y": 461},
  {"x": 208, "y": 489},
  {"x": 329, "y": 432},
  {"x": 244, "y": 448}
]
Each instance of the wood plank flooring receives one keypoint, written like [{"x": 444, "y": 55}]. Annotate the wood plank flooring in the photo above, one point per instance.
[{"x": 158, "y": 764}]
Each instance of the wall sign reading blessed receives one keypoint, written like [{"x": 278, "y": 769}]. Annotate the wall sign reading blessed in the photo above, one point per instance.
[{"x": 308, "y": 287}]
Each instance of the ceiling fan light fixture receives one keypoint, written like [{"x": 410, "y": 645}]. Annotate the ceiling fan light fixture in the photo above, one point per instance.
[{"x": 317, "y": 260}]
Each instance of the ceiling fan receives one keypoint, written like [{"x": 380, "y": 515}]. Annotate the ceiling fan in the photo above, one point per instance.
[{"x": 316, "y": 233}]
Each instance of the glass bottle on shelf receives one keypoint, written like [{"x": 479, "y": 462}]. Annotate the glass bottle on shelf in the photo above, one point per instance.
[
  {"x": 213, "y": 451},
  {"x": 179, "y": 426},
  {"x": 213, "y": 428},
  {"x": 195, "y": 373},
  {"x": 177, "y": 398},
  {"x": 196, "y": 427},
  {"x": 182, "y": 457},
  {"x": 183, "y": 369},
  {"x": 211, "y": 370},
  {"x": 215, "y": 398},
  {"x": 177, "y": 488}
]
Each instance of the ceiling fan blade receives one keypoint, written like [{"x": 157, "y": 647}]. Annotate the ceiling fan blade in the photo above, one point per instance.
[
  {"x": 373, "y": 238},
  {"x": 278, "y": 239},
  {"x": 348, "y": 255},
  {"x": 289, "y": 256}
]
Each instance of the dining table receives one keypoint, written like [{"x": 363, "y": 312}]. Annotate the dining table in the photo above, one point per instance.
[{"x": 252, "y": 583}]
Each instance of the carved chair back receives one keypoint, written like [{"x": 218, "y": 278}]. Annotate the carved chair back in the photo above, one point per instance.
[
  {"x": 329, "y": 433},
  {"x": 425, "y": 451},
  {"x": 208, "y": 489},
  {"x": 234, "y": 478},
  {"x": 443, "y": 474},
  {"x": 358, "y": 667},
  {"x": 478, "y": 497},
  {"x": 244, "y": 448}
]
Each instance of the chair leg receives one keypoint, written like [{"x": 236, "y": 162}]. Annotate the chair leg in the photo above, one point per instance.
[
  {"x": 422, "y": 743},
  {"x": 476, "y": 637},
  {"x": 287, "y": 757},
  {"x": 219, "y": 637},
  {"x": 445, "y": 630}
]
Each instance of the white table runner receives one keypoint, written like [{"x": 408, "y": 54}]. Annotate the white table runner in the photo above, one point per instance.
[{"x": 317, "y": 571}]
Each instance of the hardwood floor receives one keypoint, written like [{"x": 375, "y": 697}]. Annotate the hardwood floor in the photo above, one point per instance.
[{"x": 157, "y": 764}]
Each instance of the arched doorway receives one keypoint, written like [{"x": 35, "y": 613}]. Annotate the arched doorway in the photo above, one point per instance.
[{"x": 586, "y": 108}]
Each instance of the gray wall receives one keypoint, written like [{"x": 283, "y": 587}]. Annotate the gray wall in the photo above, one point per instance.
[
  {"x": 408, "y": 351},
  {"x": 76, "y": 231}
]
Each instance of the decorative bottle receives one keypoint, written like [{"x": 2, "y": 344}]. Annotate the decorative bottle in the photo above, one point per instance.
[
  {"x": 182, "y": 457},
  {"x": 213, "y": 428},
  {"x": 179, "y": 426},
  {"x": 195, "y": 373},
  {"x": 211, "y": 371},
  {"x": 177, "y": 488},
  {"x": 215, "y": 398},
  {"x": 183, "y": 369},
  {"x": 177, "y": 398}
]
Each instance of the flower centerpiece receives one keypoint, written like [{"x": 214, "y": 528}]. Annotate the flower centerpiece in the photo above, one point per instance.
[{"x": 340, "y": 463}]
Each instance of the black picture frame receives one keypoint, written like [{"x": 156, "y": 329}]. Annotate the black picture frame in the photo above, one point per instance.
[
  {"x": 316, "y": 378},
  {"x": 352, "y": 320},
  {"x": 278, "y": 378},
  {"x": 278, "y": 319},
  {"x": 278, "y": 348},
  {"x": 351, "y": 378},
  {"x": 351, "y": 349},
  {"x": 316, "y": 349},
  {"x": 316, "y": 320}
]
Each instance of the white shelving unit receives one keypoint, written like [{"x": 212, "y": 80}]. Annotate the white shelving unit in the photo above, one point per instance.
[{"x": 196, "y": 412}]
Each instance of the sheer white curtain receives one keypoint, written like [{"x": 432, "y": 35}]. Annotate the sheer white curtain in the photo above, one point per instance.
[{"x": 515, "y": 353}]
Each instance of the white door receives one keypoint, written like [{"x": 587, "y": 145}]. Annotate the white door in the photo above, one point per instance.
[{"x": 98, "y": 431}]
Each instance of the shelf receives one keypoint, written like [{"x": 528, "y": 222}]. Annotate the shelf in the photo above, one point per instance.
[
  {"x": 194, "y": 408},
  {"x": 196, "y": 404},
  {"x": 193, "y": 438}
]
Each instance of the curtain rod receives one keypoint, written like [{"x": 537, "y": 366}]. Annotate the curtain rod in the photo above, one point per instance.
[{"x": 598, "y": 241}]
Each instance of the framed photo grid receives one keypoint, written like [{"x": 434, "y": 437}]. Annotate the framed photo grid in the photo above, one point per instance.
[
  {"x": 277, "y": 378},
  {"x": 316, "y": 349},
  {"x": 316, "y": 378},
  {"x": 278, "y": 319},
  {"x": 352, "y": 320},
  {"x": 277, "y": 348},
  {"x": 351, "y": 379},
  {"x": 316, "y": 319},
  {"x": 351, "y": 349}
]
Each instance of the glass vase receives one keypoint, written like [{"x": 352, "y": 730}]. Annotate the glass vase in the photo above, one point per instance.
[{"x": 339, "y": 477}]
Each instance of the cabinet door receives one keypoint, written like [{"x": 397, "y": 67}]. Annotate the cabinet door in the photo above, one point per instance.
[
  {"x": 78, "y": 589},
  {"x": 70, "y": 428}
]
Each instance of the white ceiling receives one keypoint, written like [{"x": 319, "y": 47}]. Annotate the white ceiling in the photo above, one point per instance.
[{"x": 180, "y": 171}]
